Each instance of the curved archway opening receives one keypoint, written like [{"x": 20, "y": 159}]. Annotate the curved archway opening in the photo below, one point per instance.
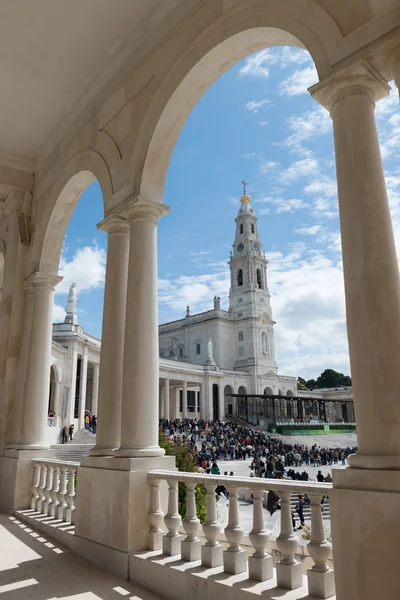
[
  {"x": 229, "y": 402},
  {"x": 267, "y": 27},
  {"x": 72, "y": 247}
]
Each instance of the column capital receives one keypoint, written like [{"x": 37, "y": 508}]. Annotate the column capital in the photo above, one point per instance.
[
  {"x": 114, "y": 223},
  {"x": 359, "y": 79},
  {"x": 393, "y": 66},
  {"x": 38, "y": 279},
  {"x": 136, "y": 208}
]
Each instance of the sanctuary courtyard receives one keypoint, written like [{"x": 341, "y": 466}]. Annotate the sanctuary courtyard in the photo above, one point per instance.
[{"x": 100, "y": 90}]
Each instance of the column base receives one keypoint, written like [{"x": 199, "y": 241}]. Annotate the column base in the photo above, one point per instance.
[
  {"x": 114, "y": 499},
  {"x": 261, "y": 569},
  {"x": 212, "y": 556},
  {"x": 365, "y": 503},
  {"x": 172, "y": 545},
  {"x": 289, "y": 577},
  {"x": 191, "y": 551},
  {"x": 150, "y": 452},
  {"x": 102, "y": 451},
  {"x": 321, "y": 585},
  {"x": 235, "y": 562},
  {"x": 16, "y": 476}
]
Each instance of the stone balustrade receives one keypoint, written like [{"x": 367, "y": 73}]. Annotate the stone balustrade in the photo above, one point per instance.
[
  {"x": 234, "y": 558},
  {"x": 53, "y": 488}
]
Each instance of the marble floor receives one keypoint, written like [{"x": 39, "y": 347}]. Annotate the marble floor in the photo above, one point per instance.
[{"x": 34, "y": 568}]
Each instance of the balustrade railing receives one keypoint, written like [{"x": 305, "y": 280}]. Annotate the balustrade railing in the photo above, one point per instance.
[
  {"x": 53, "y": 488},
  {"x": 234, "y": 559}
]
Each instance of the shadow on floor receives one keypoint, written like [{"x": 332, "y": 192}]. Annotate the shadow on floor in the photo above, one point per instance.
[{"x": 35, "y": 567}]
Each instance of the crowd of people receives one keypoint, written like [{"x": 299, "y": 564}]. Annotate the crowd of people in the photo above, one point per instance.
[{"x": 216, "y": 441}]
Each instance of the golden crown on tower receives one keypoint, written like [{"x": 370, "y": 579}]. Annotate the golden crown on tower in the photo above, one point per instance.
[{"x": 245, "y": 199}]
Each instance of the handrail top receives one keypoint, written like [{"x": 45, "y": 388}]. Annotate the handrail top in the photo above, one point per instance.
[
  {"x": 56, "y": 461},
  {"x": 254, "y": 483}
]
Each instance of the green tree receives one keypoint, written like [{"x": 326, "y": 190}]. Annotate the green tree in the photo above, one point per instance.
[
  {"x": 185, "y": 462},
  {"x": 302, "y": 384},
  {"x": 331, "y": 378}
]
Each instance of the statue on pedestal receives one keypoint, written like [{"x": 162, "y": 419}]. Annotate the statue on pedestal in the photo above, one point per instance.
[{"x": 71, "y": 316}]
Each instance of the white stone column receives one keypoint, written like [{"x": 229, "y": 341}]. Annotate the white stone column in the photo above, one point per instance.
[
  {"x": 221, "y": 404},
  {"x": 108, "y": 433},
  {"x": 166, "y": 399},
  {"x": 372, "y": 289},
  {"x": 184, "y": 400},
  {"x": 36, "y": 394},
  {"x": 161, "y": 411},
  {"x": 82, "y": 399},
  {"x": 17, "y": 413},
  {"x": 371, "y": 272},
  {"x": 139, "y": 422},
  {"x": 202, "y": 401},
  {"x": 95, "y": 389},
  {"x": 196, "y": 404}
]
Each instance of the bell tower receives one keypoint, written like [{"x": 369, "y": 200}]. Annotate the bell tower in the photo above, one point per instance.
[{"x": 249, "y": 297}]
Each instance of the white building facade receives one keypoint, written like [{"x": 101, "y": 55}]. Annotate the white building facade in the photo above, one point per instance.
[{"x": 203, "y": 358}]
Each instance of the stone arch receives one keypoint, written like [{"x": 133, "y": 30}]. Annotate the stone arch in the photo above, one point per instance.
[
  {"x": 232, "y": 36},
  {"x": 289, "y": 393},
  {"x": 242, "y": 390},
  {"x": 268, "y": 391},
  {"x": 229, "y": 402},
  {"x": 59, "y": 202}
]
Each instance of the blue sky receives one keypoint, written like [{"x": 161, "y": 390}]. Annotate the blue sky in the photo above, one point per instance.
[{"x": 257, "y": 121}]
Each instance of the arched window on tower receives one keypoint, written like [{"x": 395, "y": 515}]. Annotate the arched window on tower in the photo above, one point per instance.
[
  {"x": 259, "y": 279},
  {"x": 252, "y": 228},
  {"x": 240, "y": 277},
  {"x": 240, "y": 336},
  {"x": 241, "y": 228}
]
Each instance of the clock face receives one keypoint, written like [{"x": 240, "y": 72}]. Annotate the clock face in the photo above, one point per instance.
[
  {"x": 240, "y": 248},
  {"x": 256, "y": 246}
]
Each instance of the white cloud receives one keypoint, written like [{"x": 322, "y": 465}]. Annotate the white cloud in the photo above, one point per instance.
[
  {"x": 264, "y": 211},
  {"x": 87, "y": 269},
  {"x": 307, "y": 126},
  {"x": 300, "y": 168},
  {"x": 263, "y": 123},
  {"x": 254, "y": 106},
  {"x": 256, "y": 65},
  {"x": 268, "y": 165},
  {"x": 58, "y": 313},
  {"x": 283, "y": 205},
  {"x": 313, "y": 230},
  {"x": 324, "y": 185},
  {"x": 298, "y": 82}
]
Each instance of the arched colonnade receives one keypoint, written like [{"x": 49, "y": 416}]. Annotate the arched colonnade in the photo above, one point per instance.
[{"x": 127, "y": 146}]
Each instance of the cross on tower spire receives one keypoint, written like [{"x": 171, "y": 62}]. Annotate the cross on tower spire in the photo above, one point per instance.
[{"x": 244, "y": 186}]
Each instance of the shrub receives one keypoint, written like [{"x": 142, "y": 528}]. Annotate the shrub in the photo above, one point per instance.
[{"x": 185, "y": 462}]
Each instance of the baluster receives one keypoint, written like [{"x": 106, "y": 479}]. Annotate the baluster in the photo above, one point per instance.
[
  {"x": 211, "y": 551},
  {"x": 62, "y": 505},
  {"x": 321, "y": 581},
  {"x": 35, "y": 484},
  {"x": 235, "y": 558},
  {"x": 172, "y": 540},
  {"x": 191, "y": 545},
  {"x": 260, "y": 563},
  {"x": 156, "y": 516},
  {"x": 54, "y": 491},
  {"x": 288, "y": 569},
  {"x": 42, "y": 485},
  {"x": 69, "y": 497},
  {"x": 47, "y": 489}
]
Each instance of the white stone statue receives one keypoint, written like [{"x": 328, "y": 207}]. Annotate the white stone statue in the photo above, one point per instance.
[
  {"x": 264, "y": 343},
  {"x": 71, "y": 316},
  {"x": 210, "y": 358}
]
